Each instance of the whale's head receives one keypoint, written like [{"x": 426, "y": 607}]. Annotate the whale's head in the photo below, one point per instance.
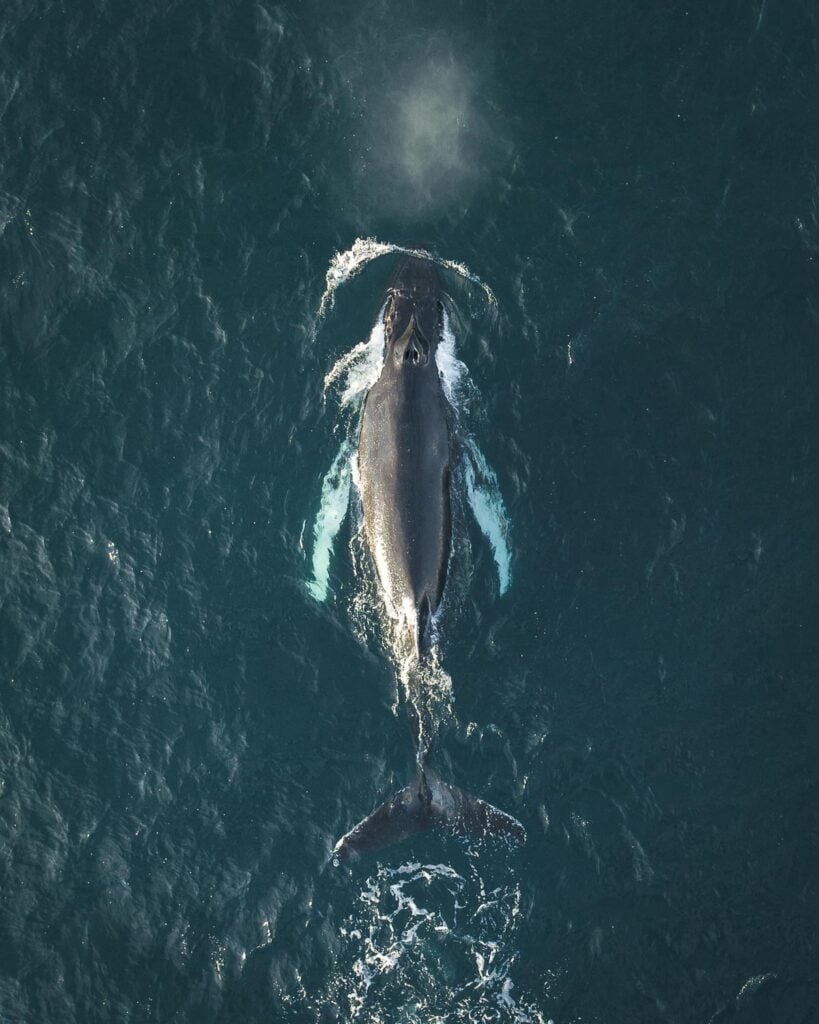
[{"x": 413, "y": 315}]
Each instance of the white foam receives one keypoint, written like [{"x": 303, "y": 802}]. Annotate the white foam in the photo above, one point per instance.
[
  {"x": 359, "y": 368},
  {"x": 345, "y": 265},
  {"x": 335, "y": 497},
  {"x": 486, "y": 502},
  {"x": 423, "y": 910}
]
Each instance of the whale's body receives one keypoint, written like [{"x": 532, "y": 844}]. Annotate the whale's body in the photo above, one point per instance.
[{"x": 405, "y": 454}]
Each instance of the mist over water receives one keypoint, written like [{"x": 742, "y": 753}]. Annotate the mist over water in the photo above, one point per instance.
[
  {"x": 429, "y": 136},
  {"x": 430, "y": 145}
]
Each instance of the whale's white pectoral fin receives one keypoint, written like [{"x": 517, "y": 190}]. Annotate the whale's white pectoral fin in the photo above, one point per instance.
[
  {"x": 335, "y": 498},
  {"x": 486, "y": 502}
]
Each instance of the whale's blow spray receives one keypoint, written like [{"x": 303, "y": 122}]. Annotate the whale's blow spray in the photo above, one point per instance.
[
  {"x": 435, "y": 140},
  {"x": 425, "y": 131},
  {"x": 434, "y": 124}
]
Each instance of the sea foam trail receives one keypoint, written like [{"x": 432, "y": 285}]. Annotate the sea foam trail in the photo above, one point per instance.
[{"x": 345, "y": 265}]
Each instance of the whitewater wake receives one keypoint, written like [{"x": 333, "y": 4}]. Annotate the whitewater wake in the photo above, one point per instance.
[{"x": 429, "y": 943}]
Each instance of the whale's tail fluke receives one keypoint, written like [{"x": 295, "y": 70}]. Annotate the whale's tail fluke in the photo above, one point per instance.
[{"x": 427, "y": 803}]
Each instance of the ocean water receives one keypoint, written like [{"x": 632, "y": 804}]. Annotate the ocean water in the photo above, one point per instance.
[{"x": 624, "y": 200}]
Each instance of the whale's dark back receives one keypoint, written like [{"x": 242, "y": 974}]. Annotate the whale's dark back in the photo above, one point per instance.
[{"x": 404, "y": 452}]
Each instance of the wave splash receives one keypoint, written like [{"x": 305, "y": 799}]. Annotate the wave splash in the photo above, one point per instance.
[
  {"x": 359, "y": 368},
  {"x": 345, "y": 265}
]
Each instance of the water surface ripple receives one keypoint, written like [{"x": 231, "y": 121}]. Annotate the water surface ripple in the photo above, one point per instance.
[{"x": 185, "y": 731}]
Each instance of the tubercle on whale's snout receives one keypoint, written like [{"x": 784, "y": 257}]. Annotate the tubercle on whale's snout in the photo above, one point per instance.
[{"x": 413, "y": 325}]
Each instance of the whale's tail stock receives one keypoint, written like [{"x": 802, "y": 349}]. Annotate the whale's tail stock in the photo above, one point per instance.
[{"x": 427, "y": 803}]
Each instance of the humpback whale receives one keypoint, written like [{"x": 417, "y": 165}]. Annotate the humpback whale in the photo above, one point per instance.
[{"x": 406, "y": 446}]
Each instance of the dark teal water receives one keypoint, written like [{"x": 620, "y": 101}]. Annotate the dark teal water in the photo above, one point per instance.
[{"x": 185, "y": 732}]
